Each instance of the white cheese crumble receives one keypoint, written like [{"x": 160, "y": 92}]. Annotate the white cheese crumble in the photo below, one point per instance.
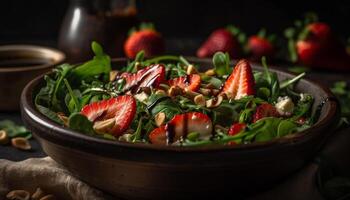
[{"x": 284, "y": 106}]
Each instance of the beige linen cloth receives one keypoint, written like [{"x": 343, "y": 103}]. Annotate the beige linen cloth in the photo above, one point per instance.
[{"x": 46, "y": 174}]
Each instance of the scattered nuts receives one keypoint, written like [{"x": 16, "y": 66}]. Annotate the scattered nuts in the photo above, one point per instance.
[
  {"x": 214, "y": 102},
  {"x": 160, "y": 92},
  {"x": 63, "y": 117},
  {"x": 191, "y": 70},
  {"x": 174, "y": 90},
  {"x": 210, "y": 72},
  {"x": 38, "y": 194},
  {"x": 199, "y": 100},
  {"x": 48, "y": 197},
  {"x": 21, "y": 143},
  {"x": 113, "y": 75},
  {"x": 4, "y": 139},
  {"x": 205, "y": 91},
  {"x": 104, "y": 126},
  {"x": 159, "y": 118},
  {"x": 18, "y": 195}
]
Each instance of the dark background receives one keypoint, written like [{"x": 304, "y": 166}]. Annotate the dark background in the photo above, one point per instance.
[{"x": 38, "y": 21}]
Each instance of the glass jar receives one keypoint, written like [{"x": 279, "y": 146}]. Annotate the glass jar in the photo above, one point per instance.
[{"x": 104, "y": 21}]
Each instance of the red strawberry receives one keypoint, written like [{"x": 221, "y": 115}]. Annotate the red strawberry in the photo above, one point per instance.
[
  {"x": 301, "y": 121},
  {"x": 148, "y": 40},
  {"x": 265, "y": 110},
  {"x": 319, "y": 31},
  {"x": 192, "y": 82},
  {"x": 122, "y": 109},
  {"x": 260, "y": 46},
  {"x": 235, "y": 129},
  {"x": 241, "y": 81},
  {"x": 150, "y": 76},
  {"x": 220, "y": 40},
  {"x": 180, "y": 126}
]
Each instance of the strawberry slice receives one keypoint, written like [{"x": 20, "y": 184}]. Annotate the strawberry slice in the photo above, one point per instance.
[
  {"x": 241, "y": 81},
  {"x": 122, "y": 109},
  {"x": 180, "y": 126},
  {"x": 150, "y": 76},
  {"x": 235, "y": 129},
  {"x": 265, "y": 110},
  {"x": 192, "y": 82}
]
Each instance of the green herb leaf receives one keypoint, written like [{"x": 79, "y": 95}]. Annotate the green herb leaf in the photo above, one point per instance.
[
  {"x": 221, "y": 63},
  {"x": 80, "y": 123}
]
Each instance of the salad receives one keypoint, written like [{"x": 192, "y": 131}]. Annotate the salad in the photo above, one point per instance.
[{"x": 167, "y": 100}]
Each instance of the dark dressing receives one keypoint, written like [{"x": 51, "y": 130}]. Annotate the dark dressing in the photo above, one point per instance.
[{"x": 170, "y": 133}]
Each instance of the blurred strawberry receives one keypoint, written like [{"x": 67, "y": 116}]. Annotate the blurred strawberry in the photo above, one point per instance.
[
  {"x": 235, "y": 129},
  {"x": 147, "y": 39},
  {"x": 265, "y": 110},
  {"x": 259, "y": 45},
  {"x": 223, "y": 39},
  {"x": 314, "y": 44}
]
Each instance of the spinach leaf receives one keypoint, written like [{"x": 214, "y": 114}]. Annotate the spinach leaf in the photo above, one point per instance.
[
  {"x": 100, "y": 64},
  {"x": 14, "y": 130},
  {"x": 160, "y": 103},
  {"x": 221, "y": 63},
  {"x": 49, "y": 113},
  {"x": 226, "y": 113},
  {"x": 80, "y": 123},
  {"x": 286, "y": 127}
]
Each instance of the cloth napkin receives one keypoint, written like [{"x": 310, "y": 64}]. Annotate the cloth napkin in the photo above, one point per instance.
[{"x": 323, "y": 178}]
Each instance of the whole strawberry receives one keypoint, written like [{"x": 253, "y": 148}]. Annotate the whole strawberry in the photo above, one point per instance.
[
  {"x": 146, "y": 39},
  {"x": 259, "y": 45},
  {"x": 223, "y": 39},
  {"x": 313, "y": 44}
]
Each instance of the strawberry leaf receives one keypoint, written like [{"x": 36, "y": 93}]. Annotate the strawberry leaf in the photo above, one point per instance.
[{"x": 221, "y": 63}]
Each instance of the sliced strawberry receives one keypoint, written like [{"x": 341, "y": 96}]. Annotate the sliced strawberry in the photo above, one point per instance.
[
  {"x": 192, "y": 82},
  {"x": 235, "y": 129},
  {"x": 265, "y": 110},
  {"x": 181, "y": 125},
  {"x": 121, "y": 108},
  {"x": 241, "y": 81},
  {"x": 150, "y": 76}
]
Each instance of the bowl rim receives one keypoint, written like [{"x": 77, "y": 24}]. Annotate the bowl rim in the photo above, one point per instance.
[
  {"x": 56, "y": 131},
  {"x": 56, "y": 55}
]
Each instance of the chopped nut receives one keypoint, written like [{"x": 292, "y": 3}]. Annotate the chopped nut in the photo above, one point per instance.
[
  {"x": 199, "y": 100},
  {"x": 126, "y": 137},
  {"x": 48, "y": 197},
  {"x": 38, "y": 194},
  {"x": 138, "y": 66},
  {"x": 159, "y": 118},
  {"x": 190, "y": 94},
  {"x": 160, "y": 92},
  {"x": 146, "y": 90},
  {"x": 191, "y": 70},
  {"x": 21, "y": 143},
  {"x": 210, "y": 72},
  {"x": 4, "y": 139},
  {"x": 104, "y": 126},
  {"x": 210, "y": 86},
  {"x": 216, "y": 92},
  {"x": 63, "y": 117},
  {"x": 205, "y": 91},
  {"x": 214, "y": 102},
  {"x": 174, "y": 90},
  {"x": 18, "y": 195},
  {"x": 113, "y": 75},
  {"x": 141, "y": 96}
]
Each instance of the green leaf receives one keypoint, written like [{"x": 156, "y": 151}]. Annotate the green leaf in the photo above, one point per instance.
[
  {"x": 14, "y": 130},
  {"x": 221, "y": 63},
  {"x": 49, "y": 113},
  {"x": 160, "y": 103},
  {"x": 288, "y": 82},
  {"x": 80, "y": 123},
  {"x": 286, "y": 127}
]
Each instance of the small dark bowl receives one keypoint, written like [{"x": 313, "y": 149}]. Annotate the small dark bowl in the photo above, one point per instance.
[
  {"x": 19, "y": 64},
  {"x": 142, "y": 171}
]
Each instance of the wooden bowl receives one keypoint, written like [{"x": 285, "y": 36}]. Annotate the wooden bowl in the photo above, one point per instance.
[
  {"x": 19, "y": 64},
  {"x": 143, "y": 171}
]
